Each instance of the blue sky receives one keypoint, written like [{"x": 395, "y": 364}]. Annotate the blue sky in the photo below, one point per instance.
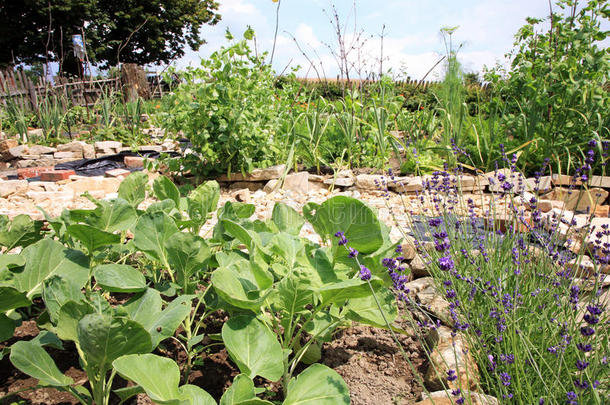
[{"x": 412, "y": 43}]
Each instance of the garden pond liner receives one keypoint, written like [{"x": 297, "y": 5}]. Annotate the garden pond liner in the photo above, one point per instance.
[{"x": 99, "y": 166}]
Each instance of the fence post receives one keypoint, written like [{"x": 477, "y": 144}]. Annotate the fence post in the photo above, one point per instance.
[{"x": 32, "y": 93}]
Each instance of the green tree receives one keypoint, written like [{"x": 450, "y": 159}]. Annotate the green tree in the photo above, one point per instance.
[
  {"x": 554, "y": 90},
  {"x": 138, "y": 31}
]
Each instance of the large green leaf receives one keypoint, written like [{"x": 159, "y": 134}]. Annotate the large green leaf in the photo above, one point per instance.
[
  {"x": 11, "y": 261},
  {"x": 145, "y": 307},
  {"x": 57, "y": 291},
  {"x": 68, "y": 317},
  {"x": 349, "y": 215},
  {"x": 10, "y": 298},
  {"x": 111, "y": 216},
  {"x": 186, "y": 254},
  {"x": 46, "y": 258},
  {"x": 162, "y": 384},
  {"x": 202, "y": 201},
  {"x": 168, "y": 320},
  {"x": 34, "y": 361},
  {"x": 343, "y": 290},
  {"x": 46, "y": 338},
  {"x": 320, "y": 268},
  {"x": 241, "y": 234},
  {"x": 237, "y": 290},
  {"x": 321, "y": 326},
  {"x": 193, "y": 395},
  {"x": 20, "y": 231},
  {"x": 241, "y": 392},
  {"x": 104, "y": 339},
  {"x": 119, "y": 278},
  {"x": 152, "y": 232},
  {"x": 365, "y": 310},
  {"x": 317, "y": 385},
  {"x": 294, "y": 293},
  {"x": 133, "y": 188},
  {"x": 260, "y": 269},
  {"x": 91, "y": 237},
  {"x": 165, "y": 189},
  {"x": 287, "y": 219},
  {"x": 253, "y": 347},
  {"x": 7, "y": 327},
  {"x": 288, "y": 247}
]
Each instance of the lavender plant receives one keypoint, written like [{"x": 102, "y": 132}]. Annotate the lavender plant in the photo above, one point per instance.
[{"x": 517, "y": 285}]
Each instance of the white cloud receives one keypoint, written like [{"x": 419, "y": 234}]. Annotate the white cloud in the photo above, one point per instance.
[
  {"x": 232, "y": 8},
  {"x": 305, "y": 34}
]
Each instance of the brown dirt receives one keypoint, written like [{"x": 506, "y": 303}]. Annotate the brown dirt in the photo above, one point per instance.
[
  {"x": 12, "y": 380},
  {"x": 373, "y": 368},
  {"x": 366, "y": 358}
]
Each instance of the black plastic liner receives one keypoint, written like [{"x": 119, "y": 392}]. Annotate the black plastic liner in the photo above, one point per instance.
[{"x": 99, "y": 166}]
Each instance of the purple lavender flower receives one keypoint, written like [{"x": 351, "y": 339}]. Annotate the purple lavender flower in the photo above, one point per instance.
[
  {"x": 446, "y": 263},
  {"x": 505, "y": 377},
  {"x": 365, "y": 273},
  {"x": 594, "y": 309},
  {"x": 581, "y": 364},
  {"x": 572, "y": 397},
  {"x": 582, "y": 384},
  {"x": 352, "y": 252},
  {"x": 435, "y": 222},
  {"x": 451, "y": 376},
  {"x": 590, "y": 319}
]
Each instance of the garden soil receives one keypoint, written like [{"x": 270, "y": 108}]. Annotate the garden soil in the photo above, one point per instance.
[{"x": 367, "y": 359}]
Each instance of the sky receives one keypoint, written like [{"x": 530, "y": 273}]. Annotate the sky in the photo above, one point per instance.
[{"x": 412, "y": 41}]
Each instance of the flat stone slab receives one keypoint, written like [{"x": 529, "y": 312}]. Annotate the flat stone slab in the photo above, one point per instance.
[{"x": 269, "y": 173}]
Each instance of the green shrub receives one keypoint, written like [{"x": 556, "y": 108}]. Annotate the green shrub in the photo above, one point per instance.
[
  {"x": 554, "y": 89},
  {"x": 227, "y": 109}
]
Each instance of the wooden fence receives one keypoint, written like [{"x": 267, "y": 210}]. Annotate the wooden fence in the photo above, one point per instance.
[{"x": 16, "y": 87}]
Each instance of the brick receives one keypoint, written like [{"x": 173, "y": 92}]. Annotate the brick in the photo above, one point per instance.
[
  {"x": 134, "y": 162},
  {"x": 117, "y": 173},
  {"x": 56, "y": 175},
  {"x": 29, "y": 172}
]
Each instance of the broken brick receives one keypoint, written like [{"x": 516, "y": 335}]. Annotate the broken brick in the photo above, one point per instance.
[
  {"x": 56, "y": 175},
  {"x": 29, "y": 172}
]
